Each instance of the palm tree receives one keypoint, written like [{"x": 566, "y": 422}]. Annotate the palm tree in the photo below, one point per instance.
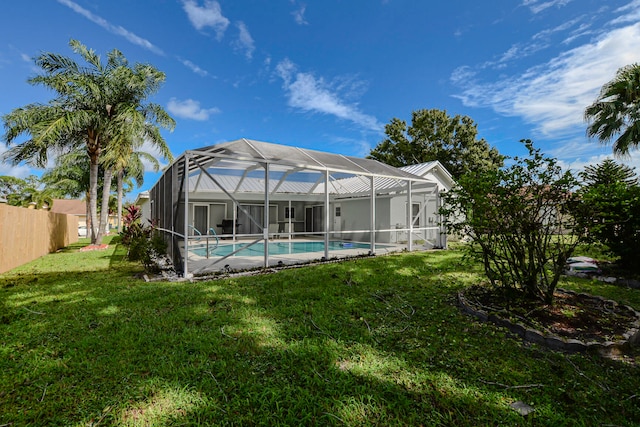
[
  {"x": 616, "y": 111},
  {"x": 97, "y": 106},
  {"x": 129, "y": 164}
]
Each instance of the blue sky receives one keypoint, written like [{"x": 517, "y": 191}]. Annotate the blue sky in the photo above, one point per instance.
[{"x": 329, "y": 75}]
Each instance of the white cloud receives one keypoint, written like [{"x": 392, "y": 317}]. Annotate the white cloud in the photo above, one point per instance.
[
  {"x": 629, "y": 13},
  {"x": 578, "y": 164},
  {"x": 190, "y": 109},
  {"x": 311, "y": 94},
  {"x": 18, "y": 171},
  {"x": 244, "y": 42},
  {"x": 562, "y": 27},
  {"x": 210, "y": 15},
  {"x": 115, "y": 29},
  {"x": 298, "y": 15},
  {"x": 553, "y": 96},
  {"x": 193, "y": 67},
  {"x": 537, "y": 6},
  {"x": 148, "y": 147}
]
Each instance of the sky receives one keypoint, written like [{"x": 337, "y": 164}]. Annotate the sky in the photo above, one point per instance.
[{"x": 328, "y": 75}]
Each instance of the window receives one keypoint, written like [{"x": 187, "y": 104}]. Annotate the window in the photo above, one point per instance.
[
  {"x": 338, "y": 211},
  {"x": 289, "y": 213},
  {"x": 415, "y": 214}
]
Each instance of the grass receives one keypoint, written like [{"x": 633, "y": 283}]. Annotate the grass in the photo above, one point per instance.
[{"x": 368, "y": 342}]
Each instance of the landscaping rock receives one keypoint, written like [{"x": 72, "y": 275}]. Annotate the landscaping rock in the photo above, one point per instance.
[{"x": 522, "y": 408}]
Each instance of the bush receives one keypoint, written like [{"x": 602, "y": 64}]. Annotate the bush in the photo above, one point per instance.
[
  {"x": 144, "y": 242},
  {"x": 519, "y": 223},
  {"x": 610, "y": 202}
]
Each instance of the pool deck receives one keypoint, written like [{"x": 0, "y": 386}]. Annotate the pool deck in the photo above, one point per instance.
[{"x": 201, "y": 265}]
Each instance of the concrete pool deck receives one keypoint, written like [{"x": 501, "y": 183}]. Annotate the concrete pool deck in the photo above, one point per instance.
[{"x": 201, "y": 264}]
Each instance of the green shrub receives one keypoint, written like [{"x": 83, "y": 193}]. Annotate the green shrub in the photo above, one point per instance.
[{"x": 144, "y": 242}]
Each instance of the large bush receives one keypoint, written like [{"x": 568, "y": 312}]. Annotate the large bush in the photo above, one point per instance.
[
  {"x": 609, "y": 210},
  {"x": 518, "y": 221}
]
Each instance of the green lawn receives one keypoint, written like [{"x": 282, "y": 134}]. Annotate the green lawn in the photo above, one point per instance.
[{"x": 369, "y": 342}]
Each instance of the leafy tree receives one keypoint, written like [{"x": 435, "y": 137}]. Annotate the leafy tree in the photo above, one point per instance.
[
  {"x": 610, "y": 202},
  {"x": 25, "y": 192},
  {"x": 519, "y": 222},
  {"x": 434, "y": 135},
  {"x": 11, "y": 185},
  {"x": 98, "y": 106},
  {"x": 614, "y": 114}
]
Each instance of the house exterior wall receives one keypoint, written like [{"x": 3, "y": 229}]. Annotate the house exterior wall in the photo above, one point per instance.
[{"x": 356, "y": 215}]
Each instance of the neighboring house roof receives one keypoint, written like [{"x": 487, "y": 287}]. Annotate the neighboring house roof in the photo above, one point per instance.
[
  {"x": 434, "y": 169},
  {"x": 71, "y": 207},
  {"x": 143, "y": 197}
]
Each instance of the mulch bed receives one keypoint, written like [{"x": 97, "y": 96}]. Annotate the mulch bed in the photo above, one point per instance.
[
  {"x": 94, "y": 248},
  {"x": 572, "y": 316}
]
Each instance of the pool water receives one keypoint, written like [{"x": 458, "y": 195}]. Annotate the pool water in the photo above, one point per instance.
[{"x": 277, "y": 248}]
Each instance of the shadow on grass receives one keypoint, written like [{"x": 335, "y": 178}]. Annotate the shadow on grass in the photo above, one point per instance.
[{"x": 367, "y": 342}]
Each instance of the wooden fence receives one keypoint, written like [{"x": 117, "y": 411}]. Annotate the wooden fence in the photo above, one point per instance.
[{"x": 27, "y": 234}]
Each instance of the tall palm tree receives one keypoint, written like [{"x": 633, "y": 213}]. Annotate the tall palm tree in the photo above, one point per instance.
[
  {"x": 615, "y": 114},
  {"x": 98, "y": 106},
  {"x": 129, "y": 163}
]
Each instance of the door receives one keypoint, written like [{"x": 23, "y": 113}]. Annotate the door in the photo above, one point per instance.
[
  {"x": 318, "y": 218},
  {"x": 217, "y": 212},
  {"x": 246, "y": 225},
  {"x": 200, "y": 219},
  {"x": 314, "y": 219},
  {"x": 337, "y": 218},
  {"x": 308, "y": 219},
  {"x": 257, "y": 212}
]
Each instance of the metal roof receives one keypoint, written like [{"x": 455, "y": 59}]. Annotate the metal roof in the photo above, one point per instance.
[
  {"x": 237, "y": 167},
  {"x": 245, "y": 150}
]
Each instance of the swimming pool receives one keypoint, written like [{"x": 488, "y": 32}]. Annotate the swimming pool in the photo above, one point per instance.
[{"x": 277, "y": 248}]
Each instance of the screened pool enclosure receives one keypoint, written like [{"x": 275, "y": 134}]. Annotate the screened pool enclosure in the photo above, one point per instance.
[{"x": 245, "y": 204}]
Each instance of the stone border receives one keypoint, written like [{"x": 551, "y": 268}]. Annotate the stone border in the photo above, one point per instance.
[{"x": 554, "y": 342}]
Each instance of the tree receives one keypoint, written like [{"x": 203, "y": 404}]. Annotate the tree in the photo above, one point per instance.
[
  {"x": 610, "y": 201},
  {"x": 98, "y": 107},
  {"x": 434, "y": 135},
  {"x": 614, "y": 114},
  {"x": 11, "y": 185},
  {"x": 129, "y": 164},
  {"x": 519, "y": 222},
  {"x": 25, "y": 192},
  {"x": 607, "y": 173}
]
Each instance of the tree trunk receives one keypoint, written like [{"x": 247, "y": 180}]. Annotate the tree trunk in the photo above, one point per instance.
[
  {"x": 104, "y": 210},
  {"x": 120, "y": 179},
  {"x": 87, "y": 217},
  {"x": 93, "y": 195}
]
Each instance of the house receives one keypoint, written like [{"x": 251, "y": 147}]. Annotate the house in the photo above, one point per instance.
[
  {"x": 247, "y": 203},
  {"x": 78, "y": 208},
  {"x": 143, "y": 202}
]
